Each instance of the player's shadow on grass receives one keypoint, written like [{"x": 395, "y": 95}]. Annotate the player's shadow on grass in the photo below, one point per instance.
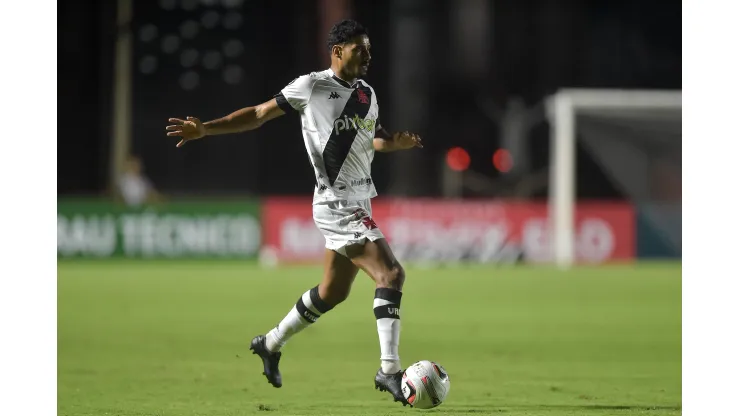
[
  {"x": 554, "y": 407},
  {"x": 603, "y": 407}
]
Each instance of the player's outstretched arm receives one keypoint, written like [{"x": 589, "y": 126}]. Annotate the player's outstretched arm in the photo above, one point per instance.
[
  {"x": 386, "y": 142},
  {"x": 248, "y": 118}
]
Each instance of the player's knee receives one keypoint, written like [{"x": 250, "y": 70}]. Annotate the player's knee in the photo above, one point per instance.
[
  {"x": 333, "y": 295},
  {"x": 392, "y": 278},
  {"x": 338, "y": 297}
]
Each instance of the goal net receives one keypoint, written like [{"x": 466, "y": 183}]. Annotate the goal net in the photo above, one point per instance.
[{"x": 635, "y": 136}]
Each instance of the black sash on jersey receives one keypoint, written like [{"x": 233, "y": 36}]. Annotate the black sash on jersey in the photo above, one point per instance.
[{"x": 338, "y": 146}]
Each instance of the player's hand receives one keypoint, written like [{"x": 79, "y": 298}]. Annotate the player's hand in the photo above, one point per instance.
[
  {"x": 405, "y": 140},
  {"x": 189, "y": 129}
]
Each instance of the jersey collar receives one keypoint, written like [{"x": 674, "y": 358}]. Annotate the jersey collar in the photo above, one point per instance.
[{"x": 340, "y": 81}]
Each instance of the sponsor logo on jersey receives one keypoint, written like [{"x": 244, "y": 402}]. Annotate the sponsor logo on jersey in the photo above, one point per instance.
[
  {"x": 354, "y": 123},
  {"x": 360, "y": 182},
  {"x": 334, "y": 95}
]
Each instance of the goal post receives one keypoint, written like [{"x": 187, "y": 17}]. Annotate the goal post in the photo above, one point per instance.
[{"x": 562, "y": 110}]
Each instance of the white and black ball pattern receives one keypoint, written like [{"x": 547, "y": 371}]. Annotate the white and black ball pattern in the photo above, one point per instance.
[{"x": 425, "y": 384}]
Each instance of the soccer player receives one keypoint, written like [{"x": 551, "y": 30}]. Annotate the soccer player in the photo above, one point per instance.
[{"x": 339, "y": 119}]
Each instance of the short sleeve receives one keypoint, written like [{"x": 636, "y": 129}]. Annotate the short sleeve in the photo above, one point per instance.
[
  {"x": 295, "y": 95},
  {"x": 378, "y": 126},
  {"x": 380, "y": 131}
]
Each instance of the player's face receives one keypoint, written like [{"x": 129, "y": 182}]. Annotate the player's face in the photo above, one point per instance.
[{"x": 357, "y": 56}]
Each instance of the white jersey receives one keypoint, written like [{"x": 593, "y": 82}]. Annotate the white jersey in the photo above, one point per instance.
[{"x": 339, "y": 123}]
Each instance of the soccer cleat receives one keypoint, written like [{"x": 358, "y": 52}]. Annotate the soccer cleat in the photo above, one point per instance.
[
  {"x": 390, "y": 383},
  {"x": 270, "y": 360}
]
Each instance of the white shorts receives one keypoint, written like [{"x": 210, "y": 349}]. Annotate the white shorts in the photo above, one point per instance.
[{"x": 345, "y": 223}]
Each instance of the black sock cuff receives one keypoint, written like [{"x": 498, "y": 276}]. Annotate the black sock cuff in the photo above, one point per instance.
[
  {"x": 391, "y": 310},
  {"x": 318, "y": 303},
  {"x": 307, "y": 314},
  {"x": 391, "y": 295}
]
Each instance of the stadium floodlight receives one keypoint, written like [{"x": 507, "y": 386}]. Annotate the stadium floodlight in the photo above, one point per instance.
[{"x": 563, "y": 109}]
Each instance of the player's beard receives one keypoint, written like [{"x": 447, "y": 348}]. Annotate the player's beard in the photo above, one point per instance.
[{"x": 362, "y": 70}]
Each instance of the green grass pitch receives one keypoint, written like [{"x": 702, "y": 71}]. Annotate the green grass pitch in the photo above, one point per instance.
[{"x": 171, "y": 338}]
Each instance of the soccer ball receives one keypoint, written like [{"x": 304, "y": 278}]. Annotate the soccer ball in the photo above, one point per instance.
[{"x": 425, "y": 384}]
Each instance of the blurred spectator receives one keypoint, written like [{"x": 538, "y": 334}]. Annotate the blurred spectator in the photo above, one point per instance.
[{"x": 133, "y": 187}]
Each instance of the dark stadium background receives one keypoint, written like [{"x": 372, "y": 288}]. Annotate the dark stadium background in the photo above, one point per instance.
[
  {"x": 535, "y": 47},
  {"x": 157, "y": 300}
]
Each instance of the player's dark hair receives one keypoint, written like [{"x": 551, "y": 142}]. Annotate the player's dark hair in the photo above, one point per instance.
[{"x": 344, "y": 31}]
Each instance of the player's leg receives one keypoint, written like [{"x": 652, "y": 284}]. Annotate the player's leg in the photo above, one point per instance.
[
  {"x": 377, "y": 260},
  {"x": 339, "y": 273}
]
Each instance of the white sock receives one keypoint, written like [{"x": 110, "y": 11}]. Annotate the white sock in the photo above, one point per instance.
[
  {"x": 387, "y": 308},
  {"x": 306, "y": 311}
]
